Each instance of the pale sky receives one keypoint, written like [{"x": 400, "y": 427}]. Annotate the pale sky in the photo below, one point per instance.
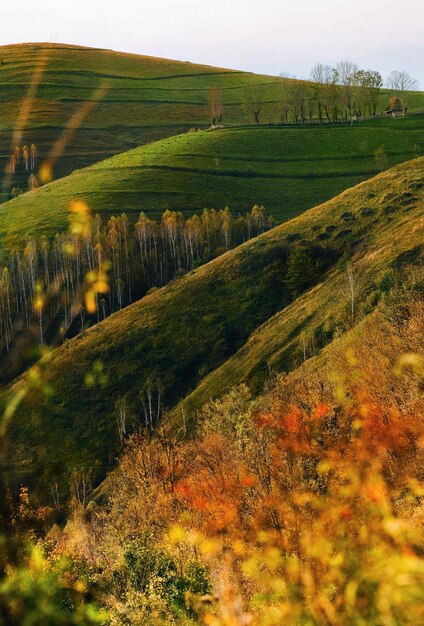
[{"x": 268, "y": 36}]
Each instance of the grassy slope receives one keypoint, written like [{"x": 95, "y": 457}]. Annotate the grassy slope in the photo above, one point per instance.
[
  {"x": 286, "y": 169},
  {"x": 147, "y": 98},
  {"x": 202, "y": 322},
  {"x": 278, "y": 344}
]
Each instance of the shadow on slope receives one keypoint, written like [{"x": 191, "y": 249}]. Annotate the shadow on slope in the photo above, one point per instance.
[{"x": 203, "y": 323}]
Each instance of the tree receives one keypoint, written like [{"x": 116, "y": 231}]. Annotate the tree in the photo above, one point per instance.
[
  {"x": 401, "y": 82},
  {"x": 121, "y": 414},
  {"x": 39, "y": 302},
  {"x": 321, "y": 76},
  {"x": 332, "y": 104},
  {"x": 256, "y": 220},
  {"x": 81, "y": 485},
  {"x": 226, "y": 228},
  {"x": 369, "y": 83},
  {"x": 32, "y": 182},
  {"x": 284, "y": 103},
  {"x": 151, "y": 397},
  {"x": 300, "y": 271},
  {"x": 216, "y": 108},
  {"x": 33, "y": 155},
  {"x": 25, "y": 154},
  {"x": 253, "y": 100},
  {"x": 299, "y": 91},
  {"x": 345, "y": 75}
]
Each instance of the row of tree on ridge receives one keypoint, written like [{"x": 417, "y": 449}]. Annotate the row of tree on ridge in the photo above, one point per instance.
[{"x": 332, "y": 94}]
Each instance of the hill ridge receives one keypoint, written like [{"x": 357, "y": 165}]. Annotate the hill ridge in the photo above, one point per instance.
[{"x": 197, "y": 326}]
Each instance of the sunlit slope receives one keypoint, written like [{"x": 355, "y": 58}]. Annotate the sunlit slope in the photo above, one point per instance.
[
  {"x": 197, "y": 335},
  {"x": 286, "y": 169},
  {"x": 87, "y": 104},
  {"x": 304, "y": 326},
  {"x": 141, "y": 99}
]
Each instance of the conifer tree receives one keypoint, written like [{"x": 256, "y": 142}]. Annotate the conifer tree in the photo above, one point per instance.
[{"x": 300, "y": 272}]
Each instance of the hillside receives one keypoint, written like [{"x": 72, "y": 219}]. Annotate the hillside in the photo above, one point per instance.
[
  {"x": 203, "y": 323},
  {"x": 79, "y": 105},
  {"x": 288, "y": 170},
  {"x": 299, "y": 331},
  {"x": 327, "y": 449},
  {"x": 123, "y": 100}
]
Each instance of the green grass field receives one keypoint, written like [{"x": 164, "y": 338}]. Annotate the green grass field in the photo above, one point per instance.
[
  {"x": 141, "y": 99},
  {"x": 288, "y": 170},
  {"x": 231, "y": 320}
]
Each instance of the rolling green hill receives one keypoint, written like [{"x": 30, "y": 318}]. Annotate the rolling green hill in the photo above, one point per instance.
[
  {"x": 140, "y": 99},
  {"x": 85, "y": 104},
  {"x": 288, "y": 170},
  {"x": 233, "y": 319}
]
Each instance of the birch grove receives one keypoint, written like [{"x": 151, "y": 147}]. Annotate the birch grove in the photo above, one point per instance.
[{"x": 44, "y": 284}]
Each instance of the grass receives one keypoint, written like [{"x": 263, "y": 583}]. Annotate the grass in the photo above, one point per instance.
[
  {"x": 141, "y": 99},
  {"x": 228, "y": 321},
  {"x": 315, "y": 317},
  {"x": 288, "y": 170}
]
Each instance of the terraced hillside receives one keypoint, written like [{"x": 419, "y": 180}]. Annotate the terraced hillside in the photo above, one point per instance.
[
  {"x": 288, "y": 170},
  {"x": 230, "y": 320},
  {"x": 80, "y": 105},
  {"x": 110, "y": 101}
]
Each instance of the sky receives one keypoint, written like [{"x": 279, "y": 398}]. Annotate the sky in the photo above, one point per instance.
[{"x": 268, "y": 36}]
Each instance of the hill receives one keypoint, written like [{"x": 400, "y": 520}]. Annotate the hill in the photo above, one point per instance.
[
  {"x": 300, "y": 330},
  {"x": 79, "y": 105},
  {"x": 328, "y": 449},
  {"x": 96, "y": 103},
  {"x": 288, "y": 170},
  {"x": 199, "y": 331}
]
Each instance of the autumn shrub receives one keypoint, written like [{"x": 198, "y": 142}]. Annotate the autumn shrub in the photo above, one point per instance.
[
  {"x": 300, "y": 507},
  {"x": 326, "y": 528},
  {"x": 35, "y": 592}
]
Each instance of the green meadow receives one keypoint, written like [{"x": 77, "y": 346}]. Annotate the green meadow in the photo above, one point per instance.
[
  {"x": 288, "y": 170},
  {"x": 139, "y": 99},
  {"x": 132, "y": 100}
]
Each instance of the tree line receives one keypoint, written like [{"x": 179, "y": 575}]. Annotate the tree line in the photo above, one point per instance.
[
  {"x": 332, "y": 94},
  {"x": 62, "y": 284},
  {"x": 22, "y": 167}
]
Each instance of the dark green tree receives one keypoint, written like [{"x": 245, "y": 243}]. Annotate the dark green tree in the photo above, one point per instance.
[{"x": 301, "y": 272}]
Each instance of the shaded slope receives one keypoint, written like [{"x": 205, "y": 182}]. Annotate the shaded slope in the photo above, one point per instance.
[
  {"x": 193, "y": 326},
  {"x": 304, "y": 326},
  {"x": 286, "y": 169}
]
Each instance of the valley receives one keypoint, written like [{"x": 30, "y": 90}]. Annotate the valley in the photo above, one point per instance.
[{"x": 211, "y": 356}]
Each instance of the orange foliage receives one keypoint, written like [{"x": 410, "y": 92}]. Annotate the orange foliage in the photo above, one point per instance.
[{"x": 306, "y": 508}]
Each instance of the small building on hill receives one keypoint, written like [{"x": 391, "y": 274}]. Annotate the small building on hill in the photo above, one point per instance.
[{"x": 395, "y": 107}]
